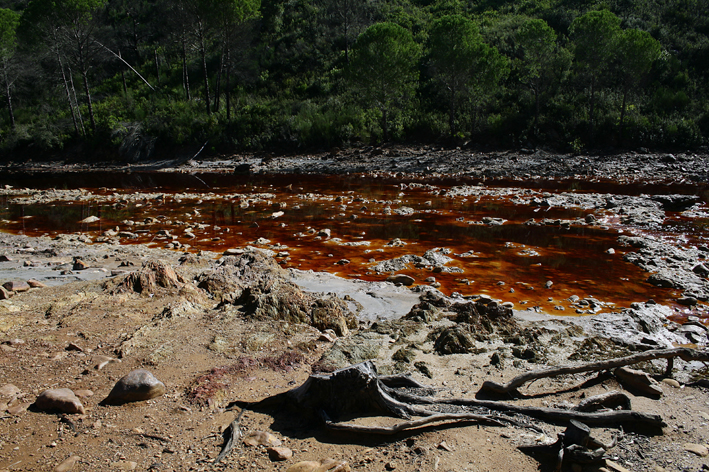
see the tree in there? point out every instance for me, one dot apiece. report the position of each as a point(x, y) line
point(384, 68)
point(595, 36)
point(67, 27)
point(540, 60)
point(9, 20)
point(637, 51)
point(462, 63)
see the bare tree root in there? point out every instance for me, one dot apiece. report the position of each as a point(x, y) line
point(232, 434)
point(512, 386)
point(443, 418)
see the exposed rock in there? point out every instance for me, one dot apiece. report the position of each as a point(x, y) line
point(326, 465)
point(9, 391)
point(35, 284)
point(698, 449)
point(90, 219)
point(59, 399)
point(79, 264)
point(5, 294)
point(352, 350)
point(152, 275)
point(138, 385)
point(453, 340)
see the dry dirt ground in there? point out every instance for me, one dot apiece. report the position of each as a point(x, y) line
point(85, 336)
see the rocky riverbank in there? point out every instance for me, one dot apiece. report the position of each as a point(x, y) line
point(216, 328)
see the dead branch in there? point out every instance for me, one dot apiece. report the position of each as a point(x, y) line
point(444, 418)
point(512, 386)
point(630, 419)
point(232, 434)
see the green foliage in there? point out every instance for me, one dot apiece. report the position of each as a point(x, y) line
point(259, 74)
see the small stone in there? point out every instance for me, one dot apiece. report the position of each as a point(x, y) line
point(59, 399)
point(138, 385)
point(401, 279)
point(261, 438)
point(67, 464)
point(79, 265)
point(16, 286)
point(638, 380)
point(697, 449)
point(103, 361)
point(671, 383)
point(687, 301)
point(390, 466)
point(5, 294)
point(74, 347)
point(18, 408)
point(124, 465)
point(610, 251)
point(90, 219)
point(5, 258)
point(35, 284)
point(304, 466)
point(83, 393)
point(9, 391)
point(548, 284)
point(443, 445)
point(277, 454)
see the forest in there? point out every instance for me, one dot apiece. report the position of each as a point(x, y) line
point(134, 79)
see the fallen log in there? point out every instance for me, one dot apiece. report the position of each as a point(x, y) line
point(511, 387)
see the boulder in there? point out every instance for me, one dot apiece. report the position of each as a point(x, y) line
point(59, 399)
point(137, 386)
point(16, 286)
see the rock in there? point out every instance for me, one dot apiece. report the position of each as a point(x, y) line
point(324, 233)
point(59, 399)
point(4, 258)
point(610, 251)
point(124, 465)
point(90, 219)
point(401, 279)
point(671, 383)
point(697, 449)
point(548, 284)
point(352, 350)
point(152, 274)
point(638, 380)
point(9, 391)
point(326, 465)
point(5, 294)
point(138, 385)
point(18, 408)
point(67, 464)
point(16, 286)
point(614, 466)
point(277, 454)
point(79, 264)
point(35, 284)
point(701, 270)
point(453, 340)
point(83, 393)
point(687, 301)
point(261, 438)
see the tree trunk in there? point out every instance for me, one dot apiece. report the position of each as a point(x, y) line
point(88, 100)
point(218, 85)
point(68, 94)
point(592, 108)
point(622, 115)
point(203, 51)
point(228, 84)
point(76, 102)
point(451, 113)
point(185, 74)
point(157, 65)
point(123, 77)
point(385, 125)
point(8, 96)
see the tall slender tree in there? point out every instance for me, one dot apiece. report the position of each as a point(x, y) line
point(9, 20)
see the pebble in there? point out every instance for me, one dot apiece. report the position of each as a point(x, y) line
point(67, 464)
point(79, 265)
point(279, 453)
point(59, 399)
point(671, 382)
point(697, 449)
point(90, 219)
point(262, 438)
point(35, 284)
point(138, 385)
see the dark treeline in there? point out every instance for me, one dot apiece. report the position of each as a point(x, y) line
point(129, 77)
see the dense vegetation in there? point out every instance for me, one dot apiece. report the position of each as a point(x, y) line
point(128, 77)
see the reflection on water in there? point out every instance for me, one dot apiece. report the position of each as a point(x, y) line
point(494, 251)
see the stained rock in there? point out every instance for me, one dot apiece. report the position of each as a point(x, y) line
point(59, 399)
point(261, 438)
point(35, 284)
point(79, 264)
point(138, 385)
